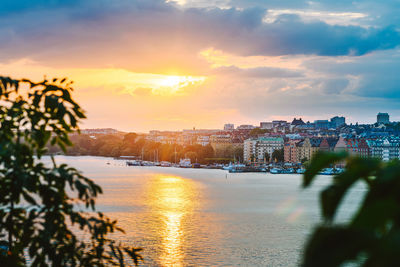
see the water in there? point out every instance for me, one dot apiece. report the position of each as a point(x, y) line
point(192, 217)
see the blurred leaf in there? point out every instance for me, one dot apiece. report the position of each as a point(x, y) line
point(319, 161)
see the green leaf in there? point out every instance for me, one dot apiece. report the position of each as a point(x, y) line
point(320, 161)
point(333, 246)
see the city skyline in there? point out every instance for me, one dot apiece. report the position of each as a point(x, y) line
point(140, 65)
point(233, 126)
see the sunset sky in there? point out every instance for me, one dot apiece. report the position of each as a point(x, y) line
point(150, 64)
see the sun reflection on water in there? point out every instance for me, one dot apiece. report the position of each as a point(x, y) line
point(172, 199)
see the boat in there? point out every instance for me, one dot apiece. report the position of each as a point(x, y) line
point(301, 171)
point(275, 171)
point(133, 163)
point(237, 169)
point(287, 171)
point(147, 163)
point(231, 166)
point(227, 168)
point(327, 171)
point(196, 165)
point(165, 164)
point(185, 163)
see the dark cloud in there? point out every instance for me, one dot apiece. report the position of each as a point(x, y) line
point(96, 33)
point(374, 76)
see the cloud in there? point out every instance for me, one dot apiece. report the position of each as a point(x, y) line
point(293, 65)
point(156, 36)
point(373, 76)
point(260, 72)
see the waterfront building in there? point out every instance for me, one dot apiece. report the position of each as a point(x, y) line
point(267, 145)
point(290, 151)
point(307, 148)
point(220, 141)
point(382, 118)
point(249, 149)
point(256, 148)
point(223, 142)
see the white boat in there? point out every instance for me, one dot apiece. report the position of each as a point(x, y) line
point(233, 166)
point(185, 163)
point(165, 164)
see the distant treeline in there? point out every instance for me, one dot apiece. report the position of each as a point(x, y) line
point(133, 145)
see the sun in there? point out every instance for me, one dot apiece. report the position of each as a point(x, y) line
point(174, 83)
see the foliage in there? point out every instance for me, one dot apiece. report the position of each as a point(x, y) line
point(43, 207)
point(278, 155)
point(132, 144)
point(257, 131)
point(372, 236)
point(267, 156)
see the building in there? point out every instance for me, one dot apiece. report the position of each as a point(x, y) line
point(307, 148)
point(324, 145)
point(280, 123)
point(290, 151)
point(321, 124)
point(223, 142)
point(267, 145)
point(297, 122)
point(341, 145)
point(357, 147)
point(256, 149)
point(385, 149)
point(382, 118)
point(99, 131)
point(245, 127)
point(337, 122)
point(249, 149)
point(203, 140)
point(229, 127)
point(266, 125)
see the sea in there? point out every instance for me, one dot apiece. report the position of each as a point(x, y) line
point(208, 217)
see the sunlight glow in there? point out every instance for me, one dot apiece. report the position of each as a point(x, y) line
point(174, 84)
point(172, 199)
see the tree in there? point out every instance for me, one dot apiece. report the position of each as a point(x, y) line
point(371, 237)
point(266, 156)
point(130, 138)
point(191, 155)
point(257, 131)
point(39, 205)
point(278, 155)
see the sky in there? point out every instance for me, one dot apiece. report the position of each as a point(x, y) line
point(140, 65)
